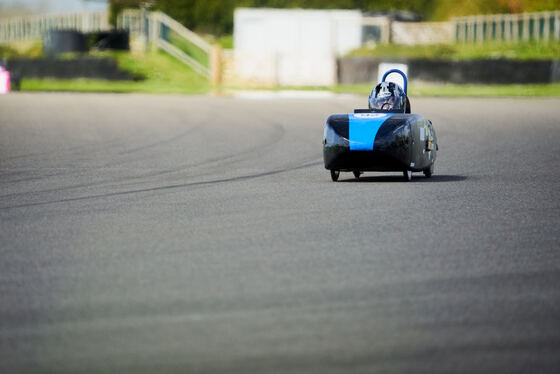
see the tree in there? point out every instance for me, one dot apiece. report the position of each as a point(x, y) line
point(216, 16)
point(117, 6)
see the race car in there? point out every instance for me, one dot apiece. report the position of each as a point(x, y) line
point(385, 137)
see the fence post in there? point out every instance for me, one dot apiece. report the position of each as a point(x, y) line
point(155, 31)
point(216, 65)
point(546, 27)
point(514, 28)
point(480, 30)
point(508, 24)
point(501, 36)
point(144, 30)
point(536, 27)
point(525, 27)
point(557, 27)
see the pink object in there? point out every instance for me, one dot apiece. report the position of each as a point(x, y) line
point(4, 81)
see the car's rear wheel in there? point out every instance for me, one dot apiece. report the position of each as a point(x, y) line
point(407, 174)
point(334, 175)
point(357, 174)
point(428, 172)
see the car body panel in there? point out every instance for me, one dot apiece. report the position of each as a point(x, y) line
point(370, 140)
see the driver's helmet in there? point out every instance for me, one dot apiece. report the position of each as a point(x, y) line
point(387, 96)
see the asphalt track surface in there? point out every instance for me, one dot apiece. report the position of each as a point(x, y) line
point(199, 234)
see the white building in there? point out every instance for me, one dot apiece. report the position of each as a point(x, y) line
point(293, 47)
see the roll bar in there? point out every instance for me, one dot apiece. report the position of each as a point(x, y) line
point(398, 72)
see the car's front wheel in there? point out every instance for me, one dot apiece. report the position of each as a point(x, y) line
point(334, 175)
point(407, 174)
point(428, 172)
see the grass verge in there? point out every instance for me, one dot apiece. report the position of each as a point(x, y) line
point(162, 73)
point(470, 51)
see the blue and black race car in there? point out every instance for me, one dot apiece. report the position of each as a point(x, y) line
point(385, 137)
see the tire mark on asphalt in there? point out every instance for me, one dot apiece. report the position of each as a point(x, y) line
point(161, 142)
point(73, 150)
point(170, 187)
point(233, 157)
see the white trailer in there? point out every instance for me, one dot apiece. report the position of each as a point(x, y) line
point(293, 47)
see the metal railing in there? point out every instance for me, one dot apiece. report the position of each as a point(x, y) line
point(508, 27)
point(164, 33)
point(381, 29)
point(413, 33)
point(24, 28)
point(157, 28)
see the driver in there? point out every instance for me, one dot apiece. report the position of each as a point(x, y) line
point(388, 96)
